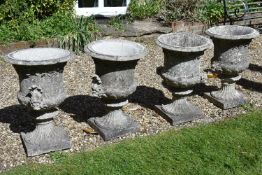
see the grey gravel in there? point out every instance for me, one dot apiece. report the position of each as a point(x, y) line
point(80, 105)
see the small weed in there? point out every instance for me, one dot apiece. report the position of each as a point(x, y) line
point(116, 23)
point(2, 61)
point(248, 107)
point(58, 156)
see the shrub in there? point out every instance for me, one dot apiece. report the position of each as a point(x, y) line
point(36, 19)
point(72, 33)
point(207, 11)
point(180, 10)
point(30, 10)
point(58, 24)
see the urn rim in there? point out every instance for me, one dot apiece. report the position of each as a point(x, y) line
point(130, 50)
point(38, 56)
point(232, 32)
point(174, 44)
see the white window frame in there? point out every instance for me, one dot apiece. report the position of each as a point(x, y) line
point(101, 10)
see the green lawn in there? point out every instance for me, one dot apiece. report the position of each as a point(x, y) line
point(233, 146)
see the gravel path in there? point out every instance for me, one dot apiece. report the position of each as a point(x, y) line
point(80, 104)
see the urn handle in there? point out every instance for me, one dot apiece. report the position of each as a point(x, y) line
point(35, 97)
point(97, 89)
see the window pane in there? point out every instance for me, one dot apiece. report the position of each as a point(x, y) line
point(115, 3)
point(87, 3)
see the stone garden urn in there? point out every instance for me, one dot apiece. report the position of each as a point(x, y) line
point(181, 72)
point(40, 73)
point(231, 57)
point(115, 62)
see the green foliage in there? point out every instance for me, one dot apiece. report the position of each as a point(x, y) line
point(84, 30)
point(229, 147)
point(145, 9)
point(71, 33)
point(58, 156)
point(211, 12)
point(24, 31)
point(36, 19)
point(248, 107)
point(12, 10)
point(16, 11)
point(180, 10)
point(58, 24)
point(116, 22)
point(207, 11)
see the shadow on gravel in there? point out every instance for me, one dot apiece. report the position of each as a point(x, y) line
point(200, 89)
point(254, 67)
point(148, 97)
point(83, 107)
point(18, 118)
point(251, 85)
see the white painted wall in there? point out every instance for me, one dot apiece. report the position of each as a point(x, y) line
point(101, 10)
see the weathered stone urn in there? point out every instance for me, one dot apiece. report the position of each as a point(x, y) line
point(231, 57)
point(40, 73)
point(181, 72)
point(115, 62)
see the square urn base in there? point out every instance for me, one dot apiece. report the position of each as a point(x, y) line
point(180, 117)
point(44, 139)
point(226, 103)
point(109, 133)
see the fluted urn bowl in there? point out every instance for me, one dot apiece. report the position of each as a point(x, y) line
point(40, 76)
point(231, 47)
point(115, 62)
point(42, 89)
point(182, 51)
point(231, 57)
point(181, 71)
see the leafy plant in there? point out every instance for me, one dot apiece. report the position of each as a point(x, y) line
point(144, 9)
point(72, 33)
point(30, 10)
point(84, 31)
point(210, 11)
point(58, 24)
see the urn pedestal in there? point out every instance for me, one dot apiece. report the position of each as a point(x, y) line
point(115, 62)
point(40, 73)
point(231, 57)
point(181, 71)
